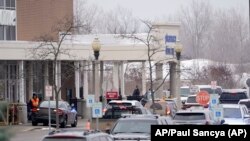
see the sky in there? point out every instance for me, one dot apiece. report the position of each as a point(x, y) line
point(156, 9)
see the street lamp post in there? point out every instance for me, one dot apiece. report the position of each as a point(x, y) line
point(178, 49)
point(96, 46)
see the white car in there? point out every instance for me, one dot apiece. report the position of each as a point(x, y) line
point(235, 114)
point(245, 102)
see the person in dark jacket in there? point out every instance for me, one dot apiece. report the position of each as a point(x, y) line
point(136, 91)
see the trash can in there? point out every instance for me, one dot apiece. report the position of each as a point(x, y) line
point(22, 113)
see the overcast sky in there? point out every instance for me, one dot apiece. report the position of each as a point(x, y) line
point(156, 9)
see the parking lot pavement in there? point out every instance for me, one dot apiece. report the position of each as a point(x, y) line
point(28, 126)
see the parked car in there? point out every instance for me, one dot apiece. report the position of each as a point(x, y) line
point(197, 88)
point(245, 102)
point(235, 114)
point(136, 127)
point(197, 116)
point(232, 96)
point(116, 108)
point(78, 135)
point(67, 115)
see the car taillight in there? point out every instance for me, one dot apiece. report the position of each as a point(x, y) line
point(59, 111)
point(104, 110)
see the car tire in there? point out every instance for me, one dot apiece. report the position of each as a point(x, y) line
point(45, 123)
point(34, 123)
point(64, 123)
point(75, 123)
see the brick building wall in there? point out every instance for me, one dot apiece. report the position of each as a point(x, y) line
point(37, 17)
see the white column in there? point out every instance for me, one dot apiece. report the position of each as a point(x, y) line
point(21, 82)
point(144, 82)
point(115, 76)
point(77, 78)
point(85, 80)
point(159, 80)
point(46, 75)
point(58, 78)
point(122, 79)
point(30, 79)
point(97, 81)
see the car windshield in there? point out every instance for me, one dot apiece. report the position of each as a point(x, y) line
point(133, 126)
point(190, 116)
point(191, 99)
point(209, 90)
point(117, 113)
point(232, 97)
point(185, 92)
point(45, 104)
point(232, 112)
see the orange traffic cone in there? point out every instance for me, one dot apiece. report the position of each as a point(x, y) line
point(88, 125)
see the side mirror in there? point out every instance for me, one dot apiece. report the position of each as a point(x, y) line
point(222, 121)
point(107, 131)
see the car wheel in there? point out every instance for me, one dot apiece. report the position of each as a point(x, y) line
point(45, 124)
point(75, 123)
point(34, 123)
point(64, 123)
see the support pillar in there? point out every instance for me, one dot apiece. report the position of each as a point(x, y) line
point(144, 82)
point(21, 82)
point(30, 92)
point(46, 76)
point(159, 81)
point(77, 79)
point(115, 76)
point(97, 81)
point(122, 80)
point(172, 85)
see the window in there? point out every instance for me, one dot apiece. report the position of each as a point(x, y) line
point(10, 4)
point(190, 116)
point(1, 32)
point(1, 4)
point(10, 32)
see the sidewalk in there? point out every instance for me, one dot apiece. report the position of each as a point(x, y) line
point(28, 126)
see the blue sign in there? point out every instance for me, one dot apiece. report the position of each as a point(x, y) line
point(169, 51)
point(218, 114)
point(170, 39)
point(214, 101)
point(90, 100)
point(97, 110)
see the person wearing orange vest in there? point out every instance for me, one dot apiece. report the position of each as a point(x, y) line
point(34, 102)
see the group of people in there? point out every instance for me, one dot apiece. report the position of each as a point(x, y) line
point(136, 92)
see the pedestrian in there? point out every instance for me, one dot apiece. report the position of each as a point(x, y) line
point(33, 103)
point(136, 91)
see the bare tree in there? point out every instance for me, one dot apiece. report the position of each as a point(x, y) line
point(116, 21)
point(195, 27)
point(152, 43)
point(51, 49)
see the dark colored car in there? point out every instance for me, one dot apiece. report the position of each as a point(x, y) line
point(67, 114)
point(136, 127)
point(78, 136)
point(232, 96)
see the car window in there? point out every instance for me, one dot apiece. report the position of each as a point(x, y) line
point(64, 139)
point(189, 116)
point(128, 126)
point(209, 90)
point(185, 92)
point(45, 104)
point(191, 99)
point(232, 113)
point(117, 113)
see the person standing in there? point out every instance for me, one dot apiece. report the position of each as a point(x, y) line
point(34, 102)
point(136, 91)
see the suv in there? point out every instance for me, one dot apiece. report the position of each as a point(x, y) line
point(232, 96)
point(116, 108)
point(77, 136)
point(136, 127)
point(194, 117)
